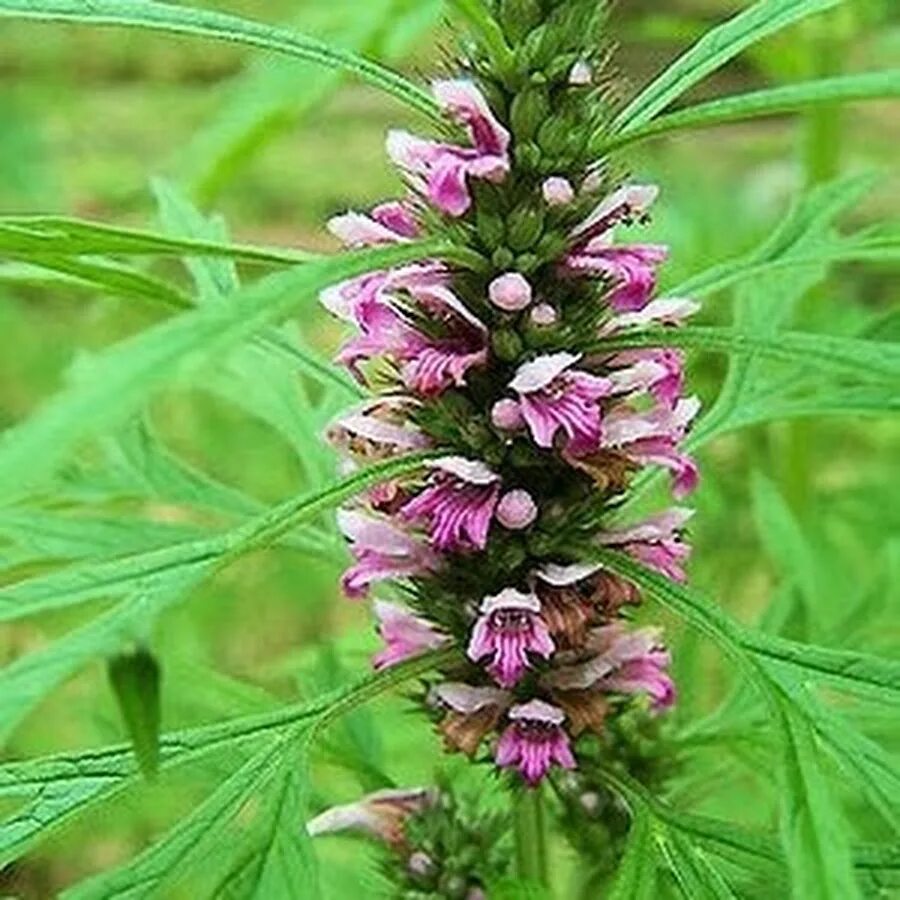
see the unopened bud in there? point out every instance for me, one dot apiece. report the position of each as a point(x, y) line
point(507, 416)
point(510, 292)
point(420, 864)
point(581, 74)
point(558, 191)
point(544, 315)
point(516, 510)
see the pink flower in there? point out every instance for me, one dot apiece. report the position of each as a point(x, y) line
point(662, 311)
point(656, 542)
point(405, 635)
point(442, 171)
point(630, 269)
point(389, 223)
point(383, 814)
point(377, 429)
point(624, 662)
point(534, 741)
point(458, 504)
point(554, 397)
point(506, 415)
point(382, 305)
point(509, 628)
point(382, 551)
point(625, 205)
point(660, 372)
point(652, 438)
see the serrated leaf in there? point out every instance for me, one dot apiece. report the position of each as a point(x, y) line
point(122, 378)
point(812, 826)
point(146, 14)
point(712, 51)
point(636, 875)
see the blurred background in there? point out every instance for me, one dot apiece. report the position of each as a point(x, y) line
point(89, 117)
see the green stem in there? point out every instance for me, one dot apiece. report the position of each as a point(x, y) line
point(531, 840)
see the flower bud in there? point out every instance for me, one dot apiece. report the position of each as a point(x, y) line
point(525, 227)
point(510, 292)
point(581, 74)
point(558, 191)
point(544, 315)
point(516, 510)
point(506, 344)
point(420, 864)
point(507, 416)
point(529, 111)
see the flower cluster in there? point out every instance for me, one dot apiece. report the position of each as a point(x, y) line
point(511, 374)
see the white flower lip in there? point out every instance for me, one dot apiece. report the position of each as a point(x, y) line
point(467, 699)
point(470, 470)
point(562, 576)
point(373, 532)
point(510, 598)
point(537, 711)
point(537, 374)
point(656, 528)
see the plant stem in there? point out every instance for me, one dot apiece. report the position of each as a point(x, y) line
point(531, 842)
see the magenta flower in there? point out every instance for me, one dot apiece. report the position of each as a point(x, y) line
point(389, 223)
point(509, 628)
point(661, 311)
point(405, 635)
point(383, 814)
point(534, 741)
point(554, 397)
point(630, 269)
point(458, 504)
point(380, 306)
point(656, 542)
point(441, 171)
point(624, 662)
point(377, 429)
point(382, 551)
point(653, 437)
point(659, 372)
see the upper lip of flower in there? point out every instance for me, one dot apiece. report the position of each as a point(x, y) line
point(537, 374)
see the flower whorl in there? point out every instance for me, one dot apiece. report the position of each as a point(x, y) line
point(504, 370)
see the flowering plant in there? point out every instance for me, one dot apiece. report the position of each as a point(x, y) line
point(519, 384)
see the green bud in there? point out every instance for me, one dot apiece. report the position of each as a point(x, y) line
point(540, 544)
point(530, 108)
point(526, 263)
point(518, 17)
point(525, 227)
point(503, 259)
point(554, 136)
point(491, 229)
point(542, 46)
point(528, 156)
point(507, 344)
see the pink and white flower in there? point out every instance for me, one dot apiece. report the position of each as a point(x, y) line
point(554, 397)
point(534, 741)
point(377, 429)
point(509, 628)
point(382, 551)
point(653, 438)
point(658, 372)
point(405, 635)
point(458, 504)
point(661, 311)
point(388, 223)
point(656, 542)
point(382, 815)
point(441, 171)
point(623, 662)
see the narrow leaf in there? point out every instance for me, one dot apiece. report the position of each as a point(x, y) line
point(135, 680)
point(219, 26)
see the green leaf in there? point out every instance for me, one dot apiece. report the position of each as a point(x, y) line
point(813, 830)
point(866, 360)
point(147, 14)
point(37, 236)
point(478, 16)
point(712, 51)
point(122, 378)
point(135, 679)
point(636, 875)
point(58, 787)
point(769, 102)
